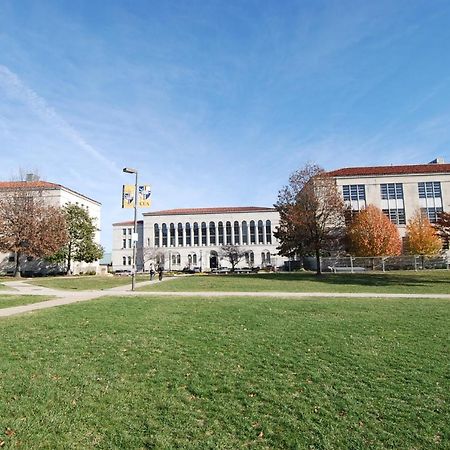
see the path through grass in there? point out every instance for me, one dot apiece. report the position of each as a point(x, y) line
point(228, 373)
point(436, 282)
point(8, 301)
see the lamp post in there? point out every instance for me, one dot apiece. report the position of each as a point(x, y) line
point(133, 271)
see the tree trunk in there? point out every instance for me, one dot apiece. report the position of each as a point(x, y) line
point(69, 258)
point(319, 269)
point(17, 265)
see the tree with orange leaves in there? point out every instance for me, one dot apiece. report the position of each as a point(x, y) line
point(422, 237)
point(371, 233)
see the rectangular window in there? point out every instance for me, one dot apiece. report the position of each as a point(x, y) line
point(430, 189)
point(354, 192)
point(391, 191)
point(124, 243)
point(124, 231)
point(432, 213)
point(396, 216)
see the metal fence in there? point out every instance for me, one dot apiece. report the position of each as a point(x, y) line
point(354, 264)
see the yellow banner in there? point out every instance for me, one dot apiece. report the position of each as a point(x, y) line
point(144, 196)
point(128, 196)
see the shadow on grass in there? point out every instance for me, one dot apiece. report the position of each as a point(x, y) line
point(362, 279)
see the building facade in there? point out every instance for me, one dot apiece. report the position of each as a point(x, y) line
point(399, 191)
point(54, 195)
point(192, 238)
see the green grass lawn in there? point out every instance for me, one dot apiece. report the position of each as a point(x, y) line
point(233, 373)
point(437, 281)
point(7, 301)
point(85, 282)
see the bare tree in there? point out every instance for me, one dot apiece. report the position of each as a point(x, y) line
point(156, 256)
point(28, 226)
point(232, 253)
point(311, 214)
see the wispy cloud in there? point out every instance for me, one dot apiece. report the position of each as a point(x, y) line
point(16, 87)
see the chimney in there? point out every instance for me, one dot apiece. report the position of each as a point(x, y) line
point(438, 160)
point(31, 177)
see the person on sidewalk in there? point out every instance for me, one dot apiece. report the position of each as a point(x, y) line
point(160, 273)
point(152, 273)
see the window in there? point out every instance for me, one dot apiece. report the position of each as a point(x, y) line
point(129, 260)
point(430, 189)
point(354, 192)
point(195, 233)
point(432, 213)
point(172, 234)
point(124, 243)
point(203, 233)
point(156, 237)
point(249, 258)
point(212, 233)
point(130, 230)
point(124, 260)
point(188, 234)
point(130, 244)
point(220, 230)
point(11, 258)
point(268, 232)
point(244, 232)
point(391, 191)
point(164, 235)
point(396, 216)
point(236, 233)
point(430, 199)
point(194, 258)
point(228, 230)
point(252, 232)
point(260, 232)
point(124, 231)
point(180, 234)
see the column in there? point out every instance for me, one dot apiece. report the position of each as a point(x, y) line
point(208, 243)
point(160, 235)
point(184, 235)
point(232, 233)
point(176, 235)
point(264, 233)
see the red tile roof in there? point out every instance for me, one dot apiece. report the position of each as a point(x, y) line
point(391, 170)
point(219, 210)
point(11, 185)
point(127, 222)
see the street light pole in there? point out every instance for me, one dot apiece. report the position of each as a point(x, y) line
point(135, 237)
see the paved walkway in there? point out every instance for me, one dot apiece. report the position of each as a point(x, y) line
point(61, 297)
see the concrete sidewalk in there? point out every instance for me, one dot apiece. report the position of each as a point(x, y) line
point(68, 297)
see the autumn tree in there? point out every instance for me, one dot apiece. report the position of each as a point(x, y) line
point(371, 233)
point(421, 237)
point(81, 246)
point(443, 228)
point(311, 214)
point(232, 253)
point(29, 227)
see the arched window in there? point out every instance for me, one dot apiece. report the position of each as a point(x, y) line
point(212, 233)
point(156, 236)
point(172, 235)
point(236, 233)
point(203, 233)
point(260, 232)
point(180, 234)
point(267, 257)
point(188, 234)
point(228, 229)
point(252, 232)
point(129, 260)
point(195, 233)
point(249, 258)
point(244, 233)
point(268, 232)
point(124, 260)
point(263, 258)
point(194, 259)
point(176, 259)
point(164, 235)
point(220, 230)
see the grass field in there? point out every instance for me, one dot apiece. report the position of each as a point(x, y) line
point(7, 301)
point(433, 281)
point(131, 373)
point(84, 282)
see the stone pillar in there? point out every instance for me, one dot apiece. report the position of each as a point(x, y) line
point(184, 235)
point(176, 235)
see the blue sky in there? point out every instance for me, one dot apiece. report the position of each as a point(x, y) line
point(217, 102)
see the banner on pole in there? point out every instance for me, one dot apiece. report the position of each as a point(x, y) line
point(144, 196)
point(128, 196)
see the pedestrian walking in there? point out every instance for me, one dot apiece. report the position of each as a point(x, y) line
point(160, 273)
point(152, 273)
